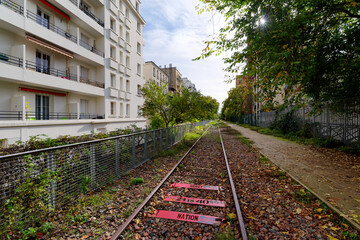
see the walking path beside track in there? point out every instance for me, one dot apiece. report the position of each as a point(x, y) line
point(331, 174)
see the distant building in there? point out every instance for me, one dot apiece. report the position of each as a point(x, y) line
point(174, 75)
point(153, 72)
point(187, 84)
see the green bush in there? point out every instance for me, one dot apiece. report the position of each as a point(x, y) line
point(136, 181)
point(287, 123)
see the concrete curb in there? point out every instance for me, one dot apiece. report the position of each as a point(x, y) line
point(333, 208)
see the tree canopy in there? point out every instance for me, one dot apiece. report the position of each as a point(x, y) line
point(165, 108)
point(236, 103)
point(310, 48)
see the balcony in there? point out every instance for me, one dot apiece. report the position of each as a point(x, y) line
point(90, 14)
point(113, 35)
point(50, 71)
point(61, 74)
point(13, 6)
point(127, 47)
point(91, 48)
point(121, 16)
point(127, 23)
point(113, 7)
point(121, 94)
point(92, 82)
point(121, 68)
point(121, 42)
point(128, 71)
point(28, 115)
point(11, 60)
point(114, 92)
point(128, 96)
point(46, 24)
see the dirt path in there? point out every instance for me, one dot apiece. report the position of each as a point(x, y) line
point(333, 175)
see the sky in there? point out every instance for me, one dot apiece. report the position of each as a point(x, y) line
point(175, 33)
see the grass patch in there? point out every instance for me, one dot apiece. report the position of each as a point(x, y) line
point(227, 235)
point(136, 181)
point(304, 196)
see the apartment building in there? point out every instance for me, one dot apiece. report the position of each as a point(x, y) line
point(187, 84)
point(174, 75)
point(69, 67)
point(153, 72)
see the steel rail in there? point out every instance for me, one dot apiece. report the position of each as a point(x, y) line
point(237, 206)
point(140, 207)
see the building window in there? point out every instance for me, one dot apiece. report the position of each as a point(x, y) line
point(84, 107)
point(138, 27)
point(139, 69)
point(127, 85)
point(127, 13)
point(139, 90)
point(137, 6)
point(43, 18)
point(112, 24)
point(84, 72)
point(113, 52)
point(121, 109)
point(127, 37)
point(139, 48)
point(154, 72)
point(127, 110)
point(139, 111)
point(127, 61)
point(157, 74)
point(113, 80)
point(121, 57)
point(121, 83)
point(42, 62)
point(42, 107)
point(112, 108)
point(121, 31)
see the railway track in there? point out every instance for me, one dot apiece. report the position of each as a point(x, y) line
point(197, 198)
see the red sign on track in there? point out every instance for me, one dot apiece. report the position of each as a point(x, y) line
point(187, 217)
point(197, 201)
point(193, 186)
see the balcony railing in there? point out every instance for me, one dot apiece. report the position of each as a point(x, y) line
point(51, 71)
point(13, 6)
point(45, 23)
point(90, 14)
point(18, 115)
point(92, 82)
point(5, 58)
point(91, 48)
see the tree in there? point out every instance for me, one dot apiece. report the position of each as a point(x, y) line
point(235, 104)
point(310, 47)
point(165, 108)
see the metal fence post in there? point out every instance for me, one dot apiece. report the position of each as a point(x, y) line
point(161, 140)
point(117, 158)
point(344, 129)
point(154, 142)
point(145, 145)
point(133, 158)
point(92, 165)
point(52, 185)
point(167, 137)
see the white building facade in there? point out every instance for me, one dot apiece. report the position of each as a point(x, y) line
point(69, 67)
point(187, 84)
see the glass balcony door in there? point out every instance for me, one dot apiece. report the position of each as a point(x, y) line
point(43, 19)
point(42, 62)
point(42, 107)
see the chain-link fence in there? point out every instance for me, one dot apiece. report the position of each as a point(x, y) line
point(344, 127)
point(57, 175)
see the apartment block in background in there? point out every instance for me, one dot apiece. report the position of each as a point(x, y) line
point(187, 84)
point(153, 72)
point(174, 75)
point(69, 67)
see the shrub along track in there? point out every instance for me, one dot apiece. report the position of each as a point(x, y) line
point(204, 165)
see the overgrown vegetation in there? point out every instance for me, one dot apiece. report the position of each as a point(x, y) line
point(166, 108)
point(41, 141)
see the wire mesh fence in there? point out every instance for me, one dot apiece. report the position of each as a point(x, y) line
point(58, 175)
point(344, 127)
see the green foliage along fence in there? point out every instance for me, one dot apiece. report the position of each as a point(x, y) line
point(344, 127)
point(33, 183)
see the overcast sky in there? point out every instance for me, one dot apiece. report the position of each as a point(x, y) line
point(174, 33)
